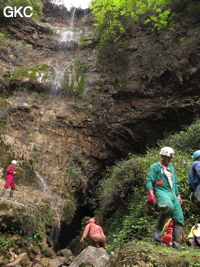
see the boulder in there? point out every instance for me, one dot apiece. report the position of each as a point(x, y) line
point(91, 257)
point(22, 260)
point(65, 253)
point(56, 262)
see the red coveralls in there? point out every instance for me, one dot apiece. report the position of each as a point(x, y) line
point(167, 238)
point(10, 177)
point(96, 234)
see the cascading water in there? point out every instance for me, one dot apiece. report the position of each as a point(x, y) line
point(58, 79)
point(72, 17)
point(56, 205)
point(45, 187)
point(69, 38)
point(68, 42)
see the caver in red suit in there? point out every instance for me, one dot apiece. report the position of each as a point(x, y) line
point(10, 179)
point(96, 234)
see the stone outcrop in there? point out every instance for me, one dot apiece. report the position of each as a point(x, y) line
point(91, 257)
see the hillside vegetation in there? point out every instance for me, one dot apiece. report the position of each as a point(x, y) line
point(122, 198)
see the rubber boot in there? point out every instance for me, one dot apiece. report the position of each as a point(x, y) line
point(3, 192)
point(11, 192)
point(177, 235)
point(162, 220)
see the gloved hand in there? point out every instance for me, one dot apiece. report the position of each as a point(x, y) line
point(151, 199)
point(82, 240)
point(180, 199)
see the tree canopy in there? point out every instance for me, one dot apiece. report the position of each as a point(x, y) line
point(112, 16)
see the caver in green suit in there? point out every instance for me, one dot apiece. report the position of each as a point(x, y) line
point(165, 195)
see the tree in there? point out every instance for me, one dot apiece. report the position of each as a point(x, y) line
point(111, 15)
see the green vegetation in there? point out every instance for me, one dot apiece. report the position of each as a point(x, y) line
point(35, 4)
point(141, 253)
point(30, 222)
point(4, 107)
point(76, 178)
point(6, 242)
point(114, 18)
point(44, 74)
point(74, 77)
point(3, 39)
point(122, 193)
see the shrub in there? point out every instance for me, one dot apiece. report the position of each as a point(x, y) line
point(6, 242)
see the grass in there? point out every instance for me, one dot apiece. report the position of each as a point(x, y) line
point(142, 253)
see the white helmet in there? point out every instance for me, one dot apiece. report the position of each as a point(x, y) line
point(167, 151)
point(14, 161)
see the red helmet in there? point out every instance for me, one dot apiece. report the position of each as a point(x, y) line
point(91, 220)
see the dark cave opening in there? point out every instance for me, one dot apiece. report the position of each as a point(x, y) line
point(63, 234)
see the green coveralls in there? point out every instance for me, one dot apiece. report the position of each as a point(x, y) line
point(166, 197)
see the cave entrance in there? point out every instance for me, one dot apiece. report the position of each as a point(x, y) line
point(68, 232)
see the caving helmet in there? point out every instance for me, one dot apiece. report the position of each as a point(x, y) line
point(196, 154)
point(14, 161)
point(91, 220)
point(167, 151)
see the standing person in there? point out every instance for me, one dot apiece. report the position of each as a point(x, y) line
point(163, 190)
point(96, 234)
point(10, 179)
point(194, 177)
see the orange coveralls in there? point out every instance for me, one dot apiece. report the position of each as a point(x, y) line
point(96, 234)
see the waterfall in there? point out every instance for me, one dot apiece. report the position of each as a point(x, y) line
point(45, 187)
point(57, 206)
point(54, 234)
point(69, 40)
point(58, 79)
point(72, 17)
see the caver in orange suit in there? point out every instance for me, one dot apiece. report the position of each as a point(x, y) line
point(96, 234)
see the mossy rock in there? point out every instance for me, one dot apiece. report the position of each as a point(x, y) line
point(44, 74)
point(74, 77)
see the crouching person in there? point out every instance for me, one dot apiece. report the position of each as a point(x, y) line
point(193, 238)
point(95, 233)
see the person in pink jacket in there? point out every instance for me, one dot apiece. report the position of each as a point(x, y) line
point(95, 233)
point(10, 179)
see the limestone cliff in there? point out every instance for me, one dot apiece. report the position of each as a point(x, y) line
point(68, 130)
